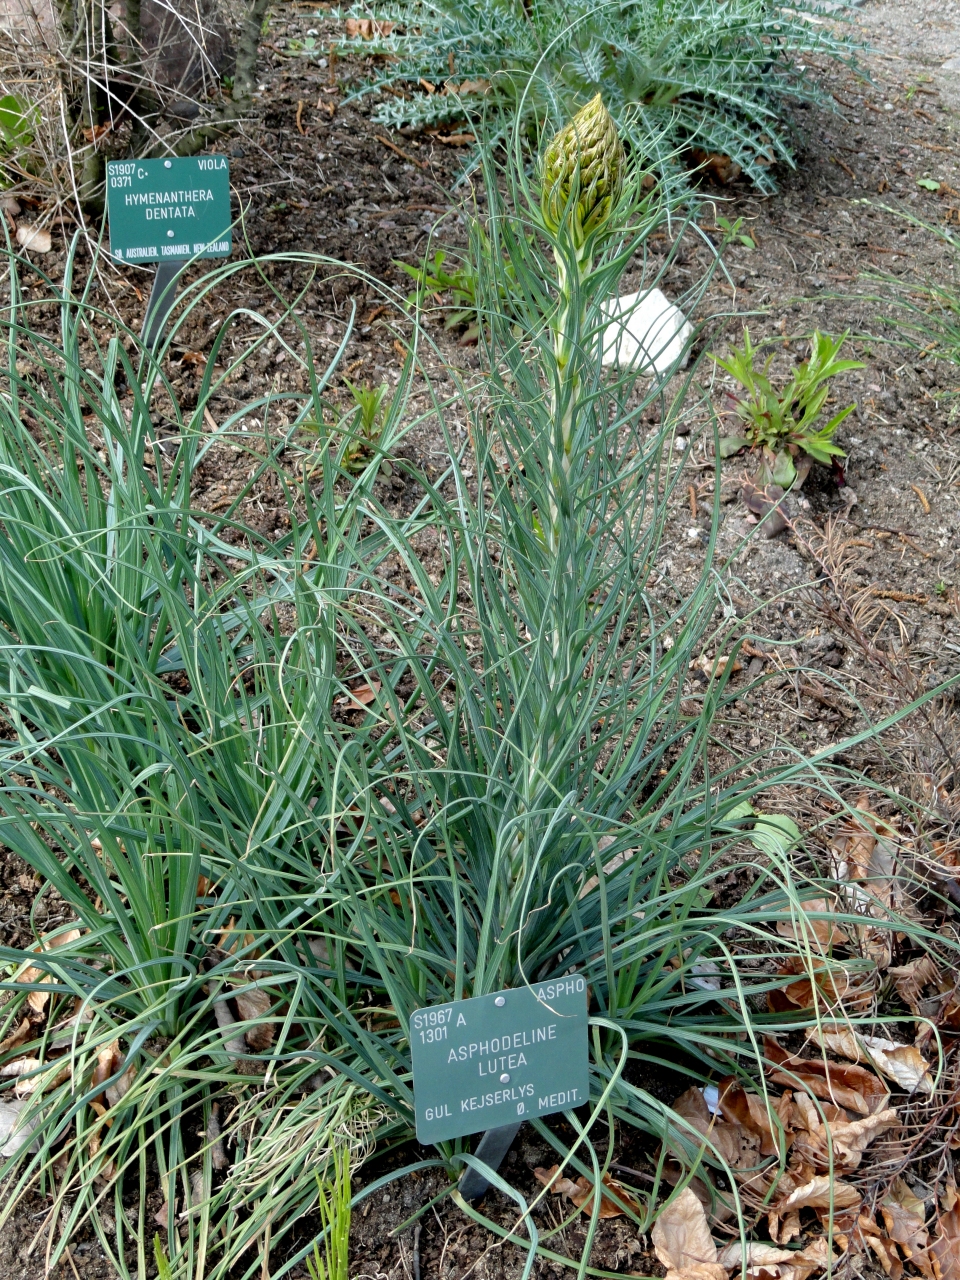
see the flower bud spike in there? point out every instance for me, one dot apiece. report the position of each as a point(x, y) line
point(582, 171)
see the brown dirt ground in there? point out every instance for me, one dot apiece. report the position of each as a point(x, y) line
point(890, 537)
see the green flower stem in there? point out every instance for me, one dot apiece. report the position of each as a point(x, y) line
point(581, 181)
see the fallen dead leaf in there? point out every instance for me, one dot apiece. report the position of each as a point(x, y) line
point(682, 1241)
point(845, 1085)
point(716, 667)
point(901, 1063)
point(767, 1262)
point(946, 1245)
point(37, 1000)
point(251, 1005)
point(368, 28)
point(736, 1145)
point(825, 932)
point(910, 980)
point(18, 1036)
point(830, 1141)
point(825, 982)
point(722, 167)
point(820, 1193)
point(751, 1113)
point(765, 504)
point(34, 239)
point(580, 1193)
point(360, 697)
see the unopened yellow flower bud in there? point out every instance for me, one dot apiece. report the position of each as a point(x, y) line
point(583, 166)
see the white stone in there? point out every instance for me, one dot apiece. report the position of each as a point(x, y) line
point(947, 81)
point(645, 331)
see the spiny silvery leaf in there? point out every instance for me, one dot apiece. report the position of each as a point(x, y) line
point(583, 166)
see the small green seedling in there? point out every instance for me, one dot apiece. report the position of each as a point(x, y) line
point(358, 431)
point(731, 231)
point(783, 425)
point(333, 1203)
point(436, 280)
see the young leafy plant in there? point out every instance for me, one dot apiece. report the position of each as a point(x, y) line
point(435, 279)
point(355, 435)
point(784, 425)
point(18, 124)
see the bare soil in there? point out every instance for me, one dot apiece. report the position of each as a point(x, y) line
point(859, 599)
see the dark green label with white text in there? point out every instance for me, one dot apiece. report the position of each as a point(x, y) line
point(499, 1059)
point(173, 208)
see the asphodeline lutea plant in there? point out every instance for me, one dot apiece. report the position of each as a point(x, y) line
point(581, 183)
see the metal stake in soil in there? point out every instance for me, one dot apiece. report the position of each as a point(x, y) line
point(491, 1149)
point(162, 297)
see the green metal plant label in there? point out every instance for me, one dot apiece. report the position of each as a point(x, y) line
point(173, 208)
point(496, 1059)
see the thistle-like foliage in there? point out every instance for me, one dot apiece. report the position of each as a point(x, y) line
point(675, 74)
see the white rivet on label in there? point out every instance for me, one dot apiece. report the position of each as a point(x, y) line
point(170, 234)
point(499, 1002)
point(505, 1078)
point(168, 164)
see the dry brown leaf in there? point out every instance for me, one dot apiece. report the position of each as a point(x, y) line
point(910, 980)
point(34, 239)
point(716, 667)
point(682, 1241)
point(883, 1247)
point(360, 697)
point(825, 932)
point(114, 1092)
point(734, 1144)
point(827, 983)
point(722, 167)
point(749, 1111)
point(580, 1193)
point(901, 1063)
point(866, 851)
point(819, 1193)
point(19, 1066)
point(846, 1085)
point(467, 86)
point(367, 28)
point(456, 139)
point(826, 1136)
point(252, 1004)
point(37, 1000)
point(946, 1245)
point(18, 1036)
point(767, 1262)
point(218, 1154)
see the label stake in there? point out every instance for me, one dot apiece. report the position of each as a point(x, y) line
point(162, 297)
point(491, 1149)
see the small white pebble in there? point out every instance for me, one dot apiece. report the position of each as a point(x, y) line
point(888, 106)
point(679, 445)
point(693, 532)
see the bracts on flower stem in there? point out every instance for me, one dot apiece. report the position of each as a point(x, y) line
point(580, 186)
